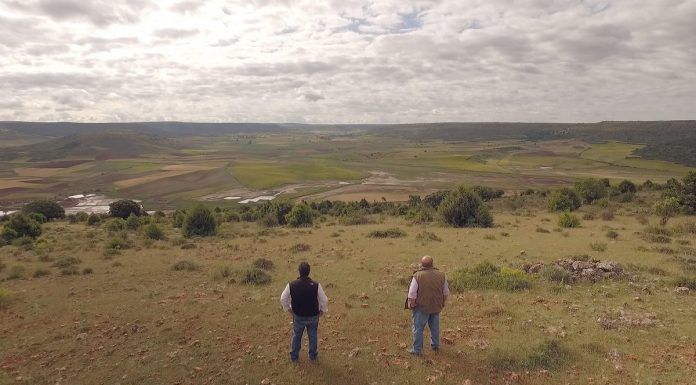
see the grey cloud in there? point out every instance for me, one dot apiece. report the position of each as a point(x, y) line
point(187, 6)
point(175, 33)
point(99, 13)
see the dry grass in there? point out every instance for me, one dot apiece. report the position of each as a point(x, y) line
point(135, 320)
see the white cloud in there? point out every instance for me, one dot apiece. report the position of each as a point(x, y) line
point(348, 61)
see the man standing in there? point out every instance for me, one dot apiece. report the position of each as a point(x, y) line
point(306, 301)
point(426, 297)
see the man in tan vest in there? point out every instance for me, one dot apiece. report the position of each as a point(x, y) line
point(426, 297)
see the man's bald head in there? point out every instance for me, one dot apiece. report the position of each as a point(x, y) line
point(427, 261)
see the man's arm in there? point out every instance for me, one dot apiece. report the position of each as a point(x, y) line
point(412, 293)
point(323, 300)
point(445, 292)
point(285, 299)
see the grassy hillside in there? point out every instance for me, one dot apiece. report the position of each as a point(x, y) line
point(76, 309)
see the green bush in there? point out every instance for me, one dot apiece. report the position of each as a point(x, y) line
point(87, 271)
point(611, 234)
point(38, 217)
point(70, 270)
point(276, 208)
point(124, 208)
point(114, 225)
point(591, 190)
point(394, 232)
point(221, 272)
point(200, 222)
point(263, 264)
point(20, 225)
point(487, 193)
point(301, 215)
point(64, 262)
point(488, 276)
point(49, 209)
point(354, 220)
point(118, 243)
point(556, 274)
point(6, 298)
point(626, 186)
point(598, 246)
point(427, 236)
point(564, 199)
point(548, 355)
point(568, 220)
point(152, 231)
point(185, 266)
point(178, 219)
point(464, 208)
point(133, 222)
point(255, 276)
point(94, 219)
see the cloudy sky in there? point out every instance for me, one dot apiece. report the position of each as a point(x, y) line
point(345, 61)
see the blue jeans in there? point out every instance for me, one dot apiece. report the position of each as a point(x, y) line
point(299, 324)
point(421, 318)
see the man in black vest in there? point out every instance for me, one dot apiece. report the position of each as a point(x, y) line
point(306, 300)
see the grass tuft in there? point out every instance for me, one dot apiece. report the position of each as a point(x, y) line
point(550, 355)
point(488, 276)
point(185, 266)
point(393, 232)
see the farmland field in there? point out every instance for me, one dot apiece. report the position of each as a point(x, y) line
point(268, 163)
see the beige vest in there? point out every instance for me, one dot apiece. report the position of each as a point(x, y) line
point(431, 281)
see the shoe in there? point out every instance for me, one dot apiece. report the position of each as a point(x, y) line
point(435, 348)
point(413, 353)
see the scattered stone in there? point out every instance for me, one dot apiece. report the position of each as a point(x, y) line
point(593, 271)
point(266, 381)
point(682, 290)
point(82, 336)
point(354, 352)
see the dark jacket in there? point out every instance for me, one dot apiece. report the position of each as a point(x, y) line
point(304, 297)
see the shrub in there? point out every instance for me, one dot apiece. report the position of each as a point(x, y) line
point(178, 218)
point(433, 200)
point(124, 208)
point(263, 264)
point(299, 247)
point(598, 246)
point(427, 236)
point(185, 265)
point(66, 261)
point(354, 219)
point(93, 219)
point(488, 276)
point(118, 243)
point(394, 232)
point(152, 231)
point(556, 274)
point(49, 209)
point(16, 272)
point(656, 238)
point(38, 217)
point(113, 225)
point(464, 208)
point(277, 208)
point(626, 186)
point(542, 230)
point(611, 234)
point(301, 215)
point(689, 282)
point(200, 222)
point(549, 355)
point(24, 242)
point(607, 215)
point(590, 190)
point(70, 270)
point(568, 220)
point(6, 298)
point(255, 276)
point(564, 199)
point(489, 237)
point(221, 272)
point(87, 271)
point(667, 208)
point(20, 225)
point(269, 220)
point(133, 222)
point(487, 193)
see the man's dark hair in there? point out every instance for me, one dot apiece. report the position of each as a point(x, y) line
point(304, 269)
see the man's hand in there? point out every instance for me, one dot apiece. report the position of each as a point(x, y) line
point(321, 313)
point(411, 303)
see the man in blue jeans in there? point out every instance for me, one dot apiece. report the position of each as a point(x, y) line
point(427, 294)
point(306, 301)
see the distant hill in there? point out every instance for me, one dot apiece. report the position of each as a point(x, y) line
point(101, 145)
point(664, 139)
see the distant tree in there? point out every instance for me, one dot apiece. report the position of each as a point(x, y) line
point(667, 208)
point(277, 209)
point(133, 222)
point(487, 193)
point(152, 231)
point(124, 208)
point(300, 215)
point(564, 199)
point(626, 186)
point(414, 200)
point(464, 208)
point(47, 208)
point(590, 190)
point(688, 195)
point(94, 219)
point(200, 222)
point(434, 199)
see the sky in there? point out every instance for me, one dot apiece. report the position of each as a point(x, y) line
point(345, 61)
